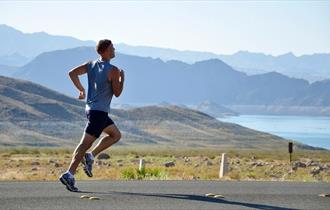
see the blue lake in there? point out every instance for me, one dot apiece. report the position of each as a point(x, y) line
point(314, 131)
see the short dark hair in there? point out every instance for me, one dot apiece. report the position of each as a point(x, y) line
point(102, 45)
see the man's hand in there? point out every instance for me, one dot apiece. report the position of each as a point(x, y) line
point(82, 94)
point(122, 76)
point(117, 78)
point(74, 76)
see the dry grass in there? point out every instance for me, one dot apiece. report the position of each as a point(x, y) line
point(190, 163)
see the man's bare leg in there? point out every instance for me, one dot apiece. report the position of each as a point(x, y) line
point(113, 136)
point(85, 143)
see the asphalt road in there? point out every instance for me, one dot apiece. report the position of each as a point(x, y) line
point(157, 195)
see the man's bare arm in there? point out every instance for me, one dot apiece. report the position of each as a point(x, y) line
point(117, 78)
point(74, 76)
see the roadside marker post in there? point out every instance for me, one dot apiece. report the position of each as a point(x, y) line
point(223, 165)
point(141, 165)
point(290, 150)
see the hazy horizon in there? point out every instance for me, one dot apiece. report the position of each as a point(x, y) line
point(220, 27)
point(134, 45)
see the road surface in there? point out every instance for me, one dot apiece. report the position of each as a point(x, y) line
point(155, 195)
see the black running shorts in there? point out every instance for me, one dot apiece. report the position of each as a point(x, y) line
point(97, 121)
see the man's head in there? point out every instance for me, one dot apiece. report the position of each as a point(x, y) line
point(105, 49)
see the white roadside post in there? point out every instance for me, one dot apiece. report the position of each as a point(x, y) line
point(141, 165)
point(223, 165)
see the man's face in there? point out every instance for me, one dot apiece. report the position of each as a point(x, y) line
point(109, 52)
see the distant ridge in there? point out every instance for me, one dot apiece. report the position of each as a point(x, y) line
point(32, 115)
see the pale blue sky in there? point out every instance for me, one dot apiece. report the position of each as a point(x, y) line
point(272, 27)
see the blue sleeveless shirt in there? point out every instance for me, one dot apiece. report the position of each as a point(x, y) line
point(100, 90)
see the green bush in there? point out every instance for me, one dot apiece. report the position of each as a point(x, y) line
point(145, 173)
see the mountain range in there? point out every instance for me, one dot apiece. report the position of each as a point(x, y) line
point(311, 67)
point(19, 48)
point(33, 115)
point(151, 80)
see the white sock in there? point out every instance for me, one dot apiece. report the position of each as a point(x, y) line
point(70, 174)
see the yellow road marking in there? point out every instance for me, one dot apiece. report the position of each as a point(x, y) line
point(210, 195)
point(84, 196)
point(219, 196)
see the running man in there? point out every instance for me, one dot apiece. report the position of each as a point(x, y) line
point(104, 81)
